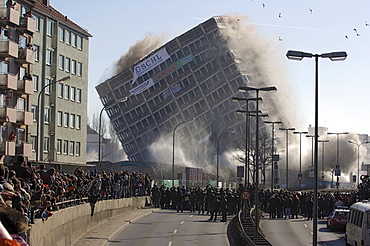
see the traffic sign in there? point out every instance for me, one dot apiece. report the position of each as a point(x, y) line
point(246, 195)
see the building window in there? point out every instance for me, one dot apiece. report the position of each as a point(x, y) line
point(46, 144)
point(66, 92)
point(73, 93)
point(78, 122)
point(34, 112)
point(66, 119)
point(65, 147)
point(36, 52)
point(72, 121)
point(67, 37)
point(61, 34)
point(48, 57)
point(61, 62)
point(71, 147)
point(33, 140)
point(68, 64)
point(78, 148)
point(59, 146)
point(47, 84)
point(60, 90)
point(21, 104)
point(79, 42)
point(46, 115)
point(73, 67)
point(78, 95)
point(73, 39)
point(35, 80)
point(60, 118)
point(49, 28)
point(79, 69)
point(37, 19)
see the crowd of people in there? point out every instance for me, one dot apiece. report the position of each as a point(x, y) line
point(29, 192)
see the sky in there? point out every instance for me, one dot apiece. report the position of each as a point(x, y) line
point(312, 26)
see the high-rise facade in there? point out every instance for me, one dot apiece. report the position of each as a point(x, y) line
point(191, 78)
point(50, 67)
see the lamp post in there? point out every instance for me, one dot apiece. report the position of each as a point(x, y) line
point(38, 114)
point(173, 149)
point(246, 168)
point(300, 176)
point(313, 155)
point(323, 158)
point(337, 166)
point(287, 155)
point(272, 149)
point(358, 158)
point(100, 133)
point(257, 90)
point(218, 154)
point(333, 56)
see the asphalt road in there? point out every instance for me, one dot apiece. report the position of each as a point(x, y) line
point(167, 227)
point(281, 232)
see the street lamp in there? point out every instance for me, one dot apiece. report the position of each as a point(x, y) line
point(246, 168)
point(358, 158)
point(323, 158)
point(38, 114)
point(300, 176)
point(218, 154)
point(100, 134)
point(333, 56)
point(337, 166)
point(287, 154)
point(173, 149)
point(257, 90)
point(272, 149)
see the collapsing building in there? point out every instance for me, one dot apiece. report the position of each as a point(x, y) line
point(182, 92)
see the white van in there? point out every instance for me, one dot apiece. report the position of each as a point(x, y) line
point(358, 225)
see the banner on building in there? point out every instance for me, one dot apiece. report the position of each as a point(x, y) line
point(150, 63)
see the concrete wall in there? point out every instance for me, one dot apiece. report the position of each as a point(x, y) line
point(68, 225)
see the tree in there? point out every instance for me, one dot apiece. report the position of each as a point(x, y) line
point(264, 155)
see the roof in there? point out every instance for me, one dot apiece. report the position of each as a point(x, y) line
point(50, 11)
point(362, 206)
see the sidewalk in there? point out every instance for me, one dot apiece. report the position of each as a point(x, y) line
point(102, 233)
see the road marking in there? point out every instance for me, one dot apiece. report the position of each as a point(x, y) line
point(191, 216)
point(169, 243)
point(182, 222)
point(311, 233)
point(305, 225)
point(174, 232)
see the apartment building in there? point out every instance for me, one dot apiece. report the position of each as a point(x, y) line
point(193, 76)
point(50, 70)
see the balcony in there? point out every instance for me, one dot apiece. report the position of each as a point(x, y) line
point(8, 81)
point(25, 56)
point(27, 25)
point(8, 114)
point(25, 86)
point(9, 16)
point(8, 48)
point(24, 118)
point(7, 148)
point(23, 148)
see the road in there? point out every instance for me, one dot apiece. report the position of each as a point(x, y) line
point(280, 232)
point(167, 227)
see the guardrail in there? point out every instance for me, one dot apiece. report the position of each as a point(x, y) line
point(247, 225)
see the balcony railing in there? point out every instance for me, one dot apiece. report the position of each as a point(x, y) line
point(7, 148)
point(8, 114)
point(21, 147)
point(9, 15)
point(8, 48)
point(25, 56)
point(27, 24)
point(24, 118)
point(25, 86)
point(8, 81)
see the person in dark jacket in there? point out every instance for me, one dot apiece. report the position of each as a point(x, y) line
point(214, 207)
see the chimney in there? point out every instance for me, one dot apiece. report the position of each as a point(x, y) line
point(46, 2)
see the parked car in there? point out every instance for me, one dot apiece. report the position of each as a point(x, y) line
point(337, 219)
